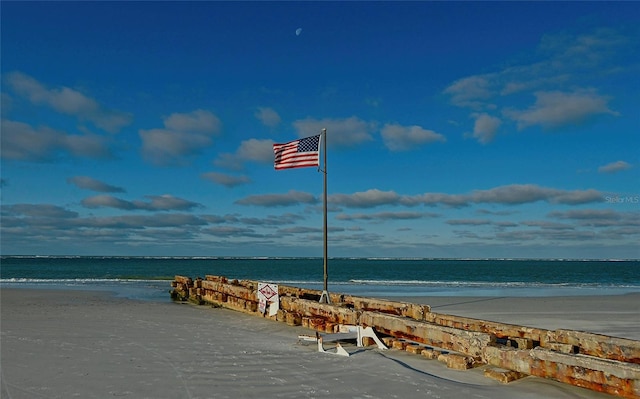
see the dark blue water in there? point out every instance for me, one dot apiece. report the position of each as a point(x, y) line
point(144, 277)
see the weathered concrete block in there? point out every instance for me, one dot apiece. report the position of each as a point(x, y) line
point(521, 343)
point(399, 344)
point(602, 375)
point(388, 341)
point(368, 341)
point(603, 346)
point(293, 319)
point(467, 342)
point(558, 347)
point(459, 362)
point(500, 330)
point(430, 353)
point(218, 279)
point(231, 290)
point(316, 323)
point(502, 375)
point(330, 328)
point(508, 358)
point(183, 280)
point(330, 313)
point(406, 309)
point(415, 349)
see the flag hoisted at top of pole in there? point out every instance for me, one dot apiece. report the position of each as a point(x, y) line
point(299, 153)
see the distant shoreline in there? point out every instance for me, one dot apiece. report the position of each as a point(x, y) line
point(214, 257)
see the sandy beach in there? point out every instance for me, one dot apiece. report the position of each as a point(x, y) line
point(65, 344)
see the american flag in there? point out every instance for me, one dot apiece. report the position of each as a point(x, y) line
point(298, 153)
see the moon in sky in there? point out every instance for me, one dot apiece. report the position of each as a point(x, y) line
point(298, 31)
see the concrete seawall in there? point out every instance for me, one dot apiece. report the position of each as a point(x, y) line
point(508, 352)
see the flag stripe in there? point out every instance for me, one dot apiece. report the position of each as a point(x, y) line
point(297, 154)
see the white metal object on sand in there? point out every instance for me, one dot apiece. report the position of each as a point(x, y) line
point(359, 331)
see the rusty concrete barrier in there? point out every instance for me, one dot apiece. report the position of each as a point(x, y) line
point(313, 309)
point(500, 330)
point(593, 361)
point(181, 286)
point(406, 309)
point(468, 342)
point(624, 350)
point(602, 375)
point(237, 291)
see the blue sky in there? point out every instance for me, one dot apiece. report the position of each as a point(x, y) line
point(455, 129)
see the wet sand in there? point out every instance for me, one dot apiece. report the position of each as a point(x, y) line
point(66, 344)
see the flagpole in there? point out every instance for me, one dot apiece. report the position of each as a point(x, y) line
point(324, 298)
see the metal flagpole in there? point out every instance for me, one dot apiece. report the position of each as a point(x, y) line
point(324, 298)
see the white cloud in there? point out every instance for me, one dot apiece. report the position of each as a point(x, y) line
point(89, 183)
point(268, 116)
point(514, 194)
point(468, 222)
point(107, 201)
point(384, 216)
point(48, 211)
point(587, 50)
point(183, 135)
point(69, 101)
point(555, 109)
point(21, 141)
point(230, 231)
point(525, 193)
point(157, 203)
point(404, 138)
point(198, 121)
point(546, 225)
point(471, 91)
point(614, 167)
point(271, 200)
point(253, 150)
point(226, 179)
point(485, 127)
point(345, 132)
point(256, 150)
point(365, 199)
point(561, 64)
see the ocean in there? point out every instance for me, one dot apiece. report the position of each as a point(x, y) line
point(148, 278)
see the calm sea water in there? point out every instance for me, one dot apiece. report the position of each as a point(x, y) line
point(149, 277)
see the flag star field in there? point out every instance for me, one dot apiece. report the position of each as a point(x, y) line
point(454, 129)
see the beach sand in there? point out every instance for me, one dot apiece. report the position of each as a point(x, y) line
point(66, 344)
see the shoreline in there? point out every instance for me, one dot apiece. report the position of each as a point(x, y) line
point(93, 344)
point(616, 315)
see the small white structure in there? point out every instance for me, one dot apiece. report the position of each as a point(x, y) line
point(346, 332)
